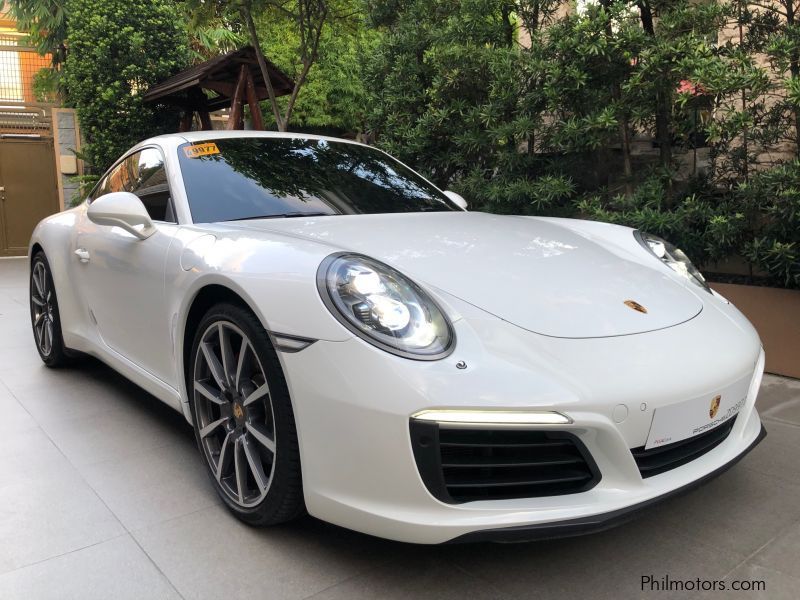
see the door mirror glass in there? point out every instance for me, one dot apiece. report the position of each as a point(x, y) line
point(458, 199)
point(122, 209)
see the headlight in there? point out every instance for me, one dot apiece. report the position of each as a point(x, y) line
point(673, 257)
point(384, 307)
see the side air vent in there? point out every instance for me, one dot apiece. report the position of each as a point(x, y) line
point(463, 465)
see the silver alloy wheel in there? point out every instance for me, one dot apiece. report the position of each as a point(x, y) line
point(233, 408)
point(42, 303)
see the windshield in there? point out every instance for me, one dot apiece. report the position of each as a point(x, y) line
point(249, 178)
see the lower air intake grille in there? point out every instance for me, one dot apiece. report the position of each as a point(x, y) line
point(463, 465)
point(663, 458)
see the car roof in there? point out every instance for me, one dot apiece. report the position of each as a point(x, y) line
point(202, 136)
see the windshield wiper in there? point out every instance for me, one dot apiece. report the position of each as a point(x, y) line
point(289, 215)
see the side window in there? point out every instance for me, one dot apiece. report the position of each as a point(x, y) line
point(99, 190)
point(147, 178)
point(143, 174)
point(115, 181)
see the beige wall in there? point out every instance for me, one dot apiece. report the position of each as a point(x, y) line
point(774, 313)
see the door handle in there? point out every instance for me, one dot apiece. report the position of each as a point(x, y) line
point(83, 255)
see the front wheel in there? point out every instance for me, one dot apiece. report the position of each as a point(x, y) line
point(243, 418)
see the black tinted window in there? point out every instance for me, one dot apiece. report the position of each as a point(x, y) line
point(143, 174)
point(113, 182)
point(149, 182)
point(240, 178)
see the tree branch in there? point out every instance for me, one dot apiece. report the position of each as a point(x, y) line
point(262, 63)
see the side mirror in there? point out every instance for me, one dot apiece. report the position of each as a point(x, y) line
point(458, 199)
point(122, 209)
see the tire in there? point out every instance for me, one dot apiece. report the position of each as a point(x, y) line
point(243, 419)
point(45, 316)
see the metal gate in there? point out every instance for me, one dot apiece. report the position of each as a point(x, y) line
point(28, 180)
point(28, 190)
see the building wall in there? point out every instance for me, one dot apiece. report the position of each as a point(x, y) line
point(18, 64)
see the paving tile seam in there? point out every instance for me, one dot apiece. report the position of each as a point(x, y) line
point(491, 584)
point(82, 478)
point(125, 458)
point(83, 465)
point(157, 567)
point(63, 554)
point(359, 573)
point(774, 572)
point(117, 518)
point(778, 407)
point(779, 478)
point(20, 404)
point(143, 528)
point(781, 421)
point(762, 547)
point(699, 541)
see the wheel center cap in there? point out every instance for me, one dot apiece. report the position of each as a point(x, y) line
point(238, 411)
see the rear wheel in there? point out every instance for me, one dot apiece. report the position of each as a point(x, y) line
point(243, 419)
point(45, 318)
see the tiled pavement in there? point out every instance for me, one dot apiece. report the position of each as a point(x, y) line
point(102, 495)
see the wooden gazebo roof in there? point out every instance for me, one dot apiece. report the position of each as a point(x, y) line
point(220, 75)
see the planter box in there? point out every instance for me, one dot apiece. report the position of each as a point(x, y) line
point(775, 313)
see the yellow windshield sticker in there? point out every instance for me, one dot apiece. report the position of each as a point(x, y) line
point(198, 150)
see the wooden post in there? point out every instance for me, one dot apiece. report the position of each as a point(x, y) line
point(205, 120)
point(236, 120)
point(252, 102)
point(199, 105)
point(186, 121)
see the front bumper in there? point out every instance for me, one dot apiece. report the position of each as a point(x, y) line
point(594, 523)
point(353, 402)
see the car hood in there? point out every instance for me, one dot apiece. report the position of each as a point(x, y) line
point(540, 275)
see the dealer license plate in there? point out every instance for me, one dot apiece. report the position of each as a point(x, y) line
point(683, 420)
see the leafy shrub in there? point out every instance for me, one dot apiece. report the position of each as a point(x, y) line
point(117, 49)
point(773, 197)
point(548, 129)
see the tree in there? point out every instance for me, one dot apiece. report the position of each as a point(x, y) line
point(211, 37)
point(333, 98)
point(431, 79)
point(772, 27)
point(771, 200)
point(591, 57)
point(45, 22)
point(456, 95)
point(308, 19)
point(117, 50)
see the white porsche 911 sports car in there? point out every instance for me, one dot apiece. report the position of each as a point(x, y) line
point(347, 339)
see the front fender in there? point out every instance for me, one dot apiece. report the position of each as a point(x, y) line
point(275, 278)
